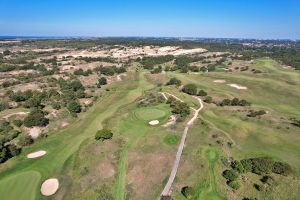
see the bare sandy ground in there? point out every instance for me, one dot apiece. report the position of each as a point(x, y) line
point(36, 154)
point(171, 121)
point(49, 187)
point(219, 81)
point(239, 87)
point(126, 52)
point(35, 132)
point(17, 113)
point(154, 122)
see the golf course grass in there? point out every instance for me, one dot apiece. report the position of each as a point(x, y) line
point(20, 186)
point(62, 145)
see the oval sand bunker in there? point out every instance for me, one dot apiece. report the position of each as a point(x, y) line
point(49, 187)
point(36, 154)
point(154, 122)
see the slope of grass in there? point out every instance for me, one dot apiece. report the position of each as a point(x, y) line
point(60, 146)
point(23, 186)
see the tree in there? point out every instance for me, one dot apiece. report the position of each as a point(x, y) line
point(6, 52)
point(202, 93)
point(102, 81)
point(188, 192)
point(74, 107)
point(230, 175)
point(13, 150)
point(103, 134)
point(281, 168)
point(174, 81)
point(36, 118)
point(190, 89)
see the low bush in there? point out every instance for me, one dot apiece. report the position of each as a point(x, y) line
point(230, 174)
point(188, 192)
point(190, 89)
point(104, 134)
point(234, 185)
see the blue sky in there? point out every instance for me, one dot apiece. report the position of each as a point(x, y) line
point(177, 18)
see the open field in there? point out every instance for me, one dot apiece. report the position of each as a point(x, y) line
point(78, 92)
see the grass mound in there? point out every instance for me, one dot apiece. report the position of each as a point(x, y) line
point(171, 139)
point(24, 186)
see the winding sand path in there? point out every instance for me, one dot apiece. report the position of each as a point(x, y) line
point(167, 188)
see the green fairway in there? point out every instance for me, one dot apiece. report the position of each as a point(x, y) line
point(209, 189)
point(20, 186)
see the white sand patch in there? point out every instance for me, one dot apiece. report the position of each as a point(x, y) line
point(63, 124)
point(49, 187)
point(154, 122)
point(171, 121)
point(36, 154)
point(219, 81)
point(239, 87)
point(35, 132)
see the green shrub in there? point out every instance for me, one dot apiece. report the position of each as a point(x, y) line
point(74, 107)
point(102, 81)
point(18, 122)
point(190, 89)
point(230, 174)
point(25, 140)
point(103, 134)
point(36, 118)
point(202, 93)
point(236, 165)
point(208, 99)
point(188, 192)
point(234, 185)
point(174, 81)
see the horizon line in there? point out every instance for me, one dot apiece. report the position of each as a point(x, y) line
point(145, 37)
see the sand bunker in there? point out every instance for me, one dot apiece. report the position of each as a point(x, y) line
point(35, 132)
point(239, 87)
point(36, 154)
point(49, 187)
point(154, 122)
point(219, 81)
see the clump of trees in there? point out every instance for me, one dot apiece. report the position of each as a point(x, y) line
point(259, 166)
point(81, 72)
point(174, 81)
point(36, 118)
point(150, 62)
point(104, 134)
point(151, 99)
point(156, 70)
point(295, 122)
point(111, 70)
point(179, 108)
point(234, 102)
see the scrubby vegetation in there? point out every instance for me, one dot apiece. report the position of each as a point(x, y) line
point(179, 108)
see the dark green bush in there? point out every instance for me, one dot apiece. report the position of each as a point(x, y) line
point(234, 185)
point(230, 174)
point(104, 134)
point(190, 89)
point(188, 192)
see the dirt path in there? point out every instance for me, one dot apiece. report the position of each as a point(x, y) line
point(167, 188)
point(164, 95)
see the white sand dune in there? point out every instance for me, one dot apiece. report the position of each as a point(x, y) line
point(49, 187)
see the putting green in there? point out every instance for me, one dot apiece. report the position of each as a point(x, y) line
point(148, 114)
point(23, 186)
